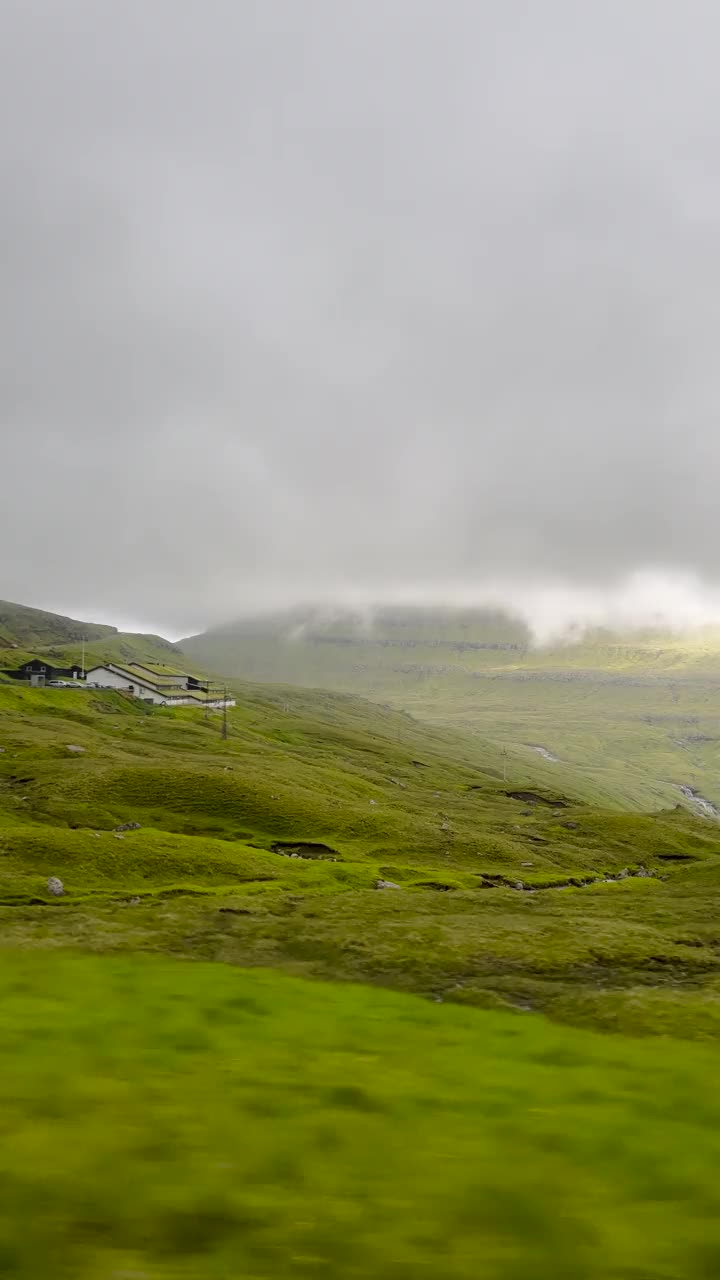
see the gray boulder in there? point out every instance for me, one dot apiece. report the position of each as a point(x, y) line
point(55, 887)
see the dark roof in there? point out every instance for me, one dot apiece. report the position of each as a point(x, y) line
point(43, 661)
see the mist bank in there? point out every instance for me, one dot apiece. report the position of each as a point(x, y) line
point(534, 613)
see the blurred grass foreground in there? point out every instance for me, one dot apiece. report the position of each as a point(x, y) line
point(170, 1119)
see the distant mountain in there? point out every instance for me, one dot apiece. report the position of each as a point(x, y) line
point(394, 649)
point(344, 650)
point(640, 713)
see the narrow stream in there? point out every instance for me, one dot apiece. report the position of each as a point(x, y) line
point(702, 806)
point(543, 751)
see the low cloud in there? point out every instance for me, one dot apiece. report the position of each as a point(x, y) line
point(553, 612)
point(327, 301)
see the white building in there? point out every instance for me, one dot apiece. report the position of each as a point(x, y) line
point(150, 684)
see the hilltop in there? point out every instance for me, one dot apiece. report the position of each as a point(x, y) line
point(25, 632)
point(24, 628)
point(636, 715)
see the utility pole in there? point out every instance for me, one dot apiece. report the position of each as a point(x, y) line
point(82, 672)
point(224, 719)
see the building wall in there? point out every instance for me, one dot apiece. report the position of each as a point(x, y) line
point(110, 679)
point(116, 680)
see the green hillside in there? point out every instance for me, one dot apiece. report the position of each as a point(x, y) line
point(25, 628)
point(637, 717)
point(169, 1118)
point(123, 646)
point(27, 633)
point(505, 889)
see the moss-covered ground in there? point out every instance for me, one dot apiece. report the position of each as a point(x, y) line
point(196, 1121)
point(268, 848)
point(168, 1117)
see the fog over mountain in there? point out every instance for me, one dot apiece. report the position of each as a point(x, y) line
point(360, 302)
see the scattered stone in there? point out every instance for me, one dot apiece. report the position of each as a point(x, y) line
point(373, 801)
point(386, 884)
point(571, 826)
point(133, 902)
point(444, 826)
point(127, 826)
point(72, 747)
point(526, 864)
point(2, 751)
point(118, 836)
point(55, 887)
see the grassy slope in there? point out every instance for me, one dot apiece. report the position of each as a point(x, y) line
point(213, 1123)
point(637, 717)
point(390, 799)
point(26, 632)
point(25, 628)
point(174, 1120)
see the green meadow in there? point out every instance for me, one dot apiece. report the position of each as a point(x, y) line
point(353, 993)
point(168, 1120)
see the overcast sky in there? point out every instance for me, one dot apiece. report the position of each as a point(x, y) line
point(317, 298)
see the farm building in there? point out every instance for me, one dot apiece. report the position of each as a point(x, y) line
point(40, 671)
point(167, 675)
point(161, 686)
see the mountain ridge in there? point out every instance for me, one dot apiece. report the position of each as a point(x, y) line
point(23, 627)
point(26, 631)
